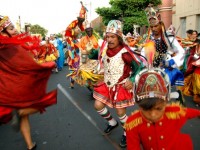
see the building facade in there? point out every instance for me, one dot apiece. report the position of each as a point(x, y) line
point(98, 26)
point(186, 15)
point(182, 14)
point(165, 10)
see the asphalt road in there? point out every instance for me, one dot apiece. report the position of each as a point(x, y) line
point(73, 124)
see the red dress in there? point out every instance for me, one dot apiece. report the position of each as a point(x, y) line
point(22, 81)
point(106, 95)
point(164, 134)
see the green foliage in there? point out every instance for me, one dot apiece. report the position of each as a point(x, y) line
point(37, 29)
point(59, 35)
point(130, 12)
point(98, 29)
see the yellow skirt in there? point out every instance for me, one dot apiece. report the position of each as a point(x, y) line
point(50, 57)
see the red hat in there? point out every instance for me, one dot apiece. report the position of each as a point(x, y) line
point(152, 82)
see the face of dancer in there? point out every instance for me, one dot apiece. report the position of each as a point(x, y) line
point(113, 40)
point(156, 29)
point(155, 113)
point(89, 32)
point(131, 41)
point(10, 31)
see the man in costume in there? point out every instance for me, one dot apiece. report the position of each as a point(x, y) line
point(166, 44)
point(119, 68)
point(71, 34)
point(87, 75)
point(157, 125)
point(22, 81)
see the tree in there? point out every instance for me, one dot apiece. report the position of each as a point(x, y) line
point(130, 12)
point(59, 35)
point(37, 29)
point(99, 29)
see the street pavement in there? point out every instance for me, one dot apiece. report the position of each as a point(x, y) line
point(73, 124)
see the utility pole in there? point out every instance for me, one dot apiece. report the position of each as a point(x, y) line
point(19, 24)
point(90, 12)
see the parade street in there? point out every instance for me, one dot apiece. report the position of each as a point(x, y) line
point(73, 124)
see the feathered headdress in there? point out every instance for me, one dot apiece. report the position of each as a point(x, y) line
point(82, 11)
point(152, 15)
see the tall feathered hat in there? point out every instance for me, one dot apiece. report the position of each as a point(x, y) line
point(4, 22)
point(151, 82)
point(115, 26)
point(152, 15)
point(83, 11)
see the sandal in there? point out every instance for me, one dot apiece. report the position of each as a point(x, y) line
point(33, 147)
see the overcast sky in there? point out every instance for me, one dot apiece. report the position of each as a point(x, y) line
point(54, 16)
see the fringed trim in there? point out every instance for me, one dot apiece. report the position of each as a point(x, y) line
point(134, 123)
point(177, 113)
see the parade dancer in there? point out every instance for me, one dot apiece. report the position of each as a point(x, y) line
point(87, 74)
point(22, 80)
point(119, 68)
point(192, 74)
point(166, 44)
point(157, 124)
point(71, 34)
point(47, 52)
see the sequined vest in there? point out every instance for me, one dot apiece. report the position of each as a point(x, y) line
point(114, 68)
point(161, 50)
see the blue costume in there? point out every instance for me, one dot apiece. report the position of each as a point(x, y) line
point(175, 75)
point(61, 59)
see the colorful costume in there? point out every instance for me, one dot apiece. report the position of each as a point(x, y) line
point(46, 53)
point(187, 45)
point(61, 59)
point(192, 75)
point(23, 81)
point(156, 125)
point(87, 75)
point(71, 34)
point(164, 134)
point(166, 44)
point(118, 65)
